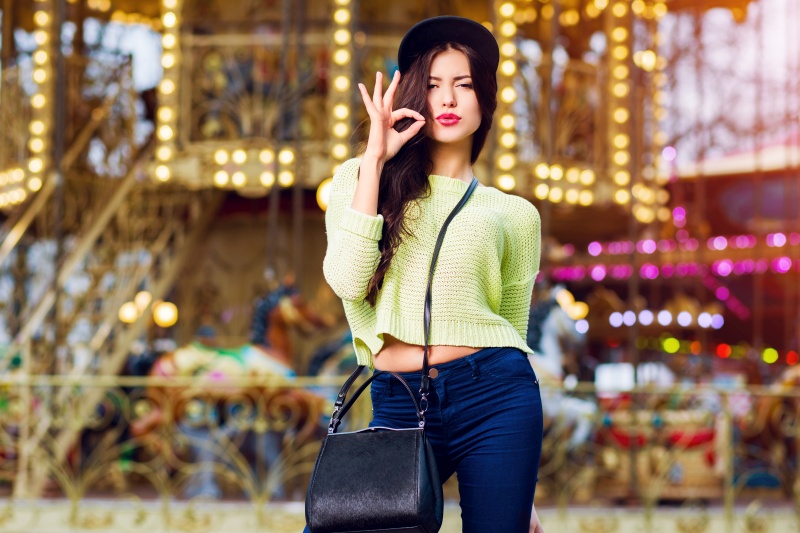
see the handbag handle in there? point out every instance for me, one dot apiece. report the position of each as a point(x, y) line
point(340, 410)
point(339, 406)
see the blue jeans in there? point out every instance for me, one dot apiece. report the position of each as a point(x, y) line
point(484, 422)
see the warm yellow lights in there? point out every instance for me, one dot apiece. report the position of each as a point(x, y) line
point(39, 75)
point(508, 67)
point(621, 140)
point(340, 129)
point(238, 179)
point(541, 191)
point(266, 156)
point(165, 114)
point(128, 313)
point(168, 60)
point(659, 9)
point(35, 165)
point(169, 19)
point(170, 4)
point(165, 314)
point(556, 172)
point(569, 17)
point(571, 196)
point(621, 115)
point(41, 18)
point(508, 95)
point(556, 194)
point(341, 16)
point(267, 179)
point(339, 151)
point(38, 101)
point(167, 86)
point(508, 49)
point(341, 57)
point(164, 153)
point(619, 9)
point(622, 197)
point(286, 157)
point(165, 133)
point(341, 111)
point(169, 41)
point(36, 127)
point(34, 184)
point(587, 177)
point(622, 178)
point(286, 178)
point(508, 140)
point(572, 175)
point(622, 158)
point(620, 72)
point(506, 182)
point(239, 157)
point(40, 57)
point(508, 29)
point(36, 145)
point(341, 37)
point(506, 161)
point(40, 37)
point(341, 83)
point(620, 52)
point(637, 6)
point(221, 178)
point(542, 171)
point(601, 4)
point(620, 89)
point(162, 173)
point(324, 193)
point(507, 9)
point(507, 122)
point(586, 198)
point(221, 157)
point(660, 137)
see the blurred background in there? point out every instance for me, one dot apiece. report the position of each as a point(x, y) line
point(169, 349)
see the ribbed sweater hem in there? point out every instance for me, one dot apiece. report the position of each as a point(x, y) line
point(361, 224)
point(443, 332)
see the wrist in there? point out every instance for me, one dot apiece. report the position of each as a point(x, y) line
point(372, 162)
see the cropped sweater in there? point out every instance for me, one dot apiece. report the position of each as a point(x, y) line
point(482, 284)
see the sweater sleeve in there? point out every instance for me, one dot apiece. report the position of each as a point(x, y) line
point(352, 255)
point(520, 265)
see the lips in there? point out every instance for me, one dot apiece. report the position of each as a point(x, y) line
point(448, 119)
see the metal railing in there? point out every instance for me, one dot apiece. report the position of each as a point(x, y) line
point(177, 451)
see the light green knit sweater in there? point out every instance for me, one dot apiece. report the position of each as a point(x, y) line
point(483, 280)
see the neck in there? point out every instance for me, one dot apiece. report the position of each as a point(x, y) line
point(452, 160)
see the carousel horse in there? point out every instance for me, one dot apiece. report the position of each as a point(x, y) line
point(769, 431)
point(551, 335)
point(214, 413)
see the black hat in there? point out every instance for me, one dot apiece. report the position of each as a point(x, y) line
point(446, 29)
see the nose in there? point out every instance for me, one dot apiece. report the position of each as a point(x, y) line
point(448, 99)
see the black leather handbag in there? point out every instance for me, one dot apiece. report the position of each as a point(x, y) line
point(379, 479)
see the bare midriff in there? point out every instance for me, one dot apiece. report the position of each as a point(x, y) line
point(399, 356)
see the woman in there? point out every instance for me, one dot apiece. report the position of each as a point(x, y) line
point(385, 212)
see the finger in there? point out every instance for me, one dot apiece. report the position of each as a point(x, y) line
point(388, 98)
point(365, 96)
point(397, 114)
point(377, 99)
point(412, 130)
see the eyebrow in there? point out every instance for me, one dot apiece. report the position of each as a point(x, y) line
point(454, 79)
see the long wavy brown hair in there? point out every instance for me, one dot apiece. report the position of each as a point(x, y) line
point(405, 176)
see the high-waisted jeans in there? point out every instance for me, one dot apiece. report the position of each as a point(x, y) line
point(484, 422)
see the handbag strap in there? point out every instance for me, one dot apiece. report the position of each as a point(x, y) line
point(339, 406)
point(425, 385)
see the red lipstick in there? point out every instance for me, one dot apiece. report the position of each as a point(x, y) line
point(448, 119)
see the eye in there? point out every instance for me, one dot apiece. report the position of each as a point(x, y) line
point(466, 85)
point(431, 86)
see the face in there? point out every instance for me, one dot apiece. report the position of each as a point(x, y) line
point(452, 100)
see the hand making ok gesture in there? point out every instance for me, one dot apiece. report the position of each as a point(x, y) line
point(384, 141)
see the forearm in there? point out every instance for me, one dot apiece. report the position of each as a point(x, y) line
point(365, 199)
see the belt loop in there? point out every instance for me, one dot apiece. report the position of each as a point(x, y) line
point(476, 373)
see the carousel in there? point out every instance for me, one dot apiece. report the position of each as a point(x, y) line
point(165, 330)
